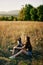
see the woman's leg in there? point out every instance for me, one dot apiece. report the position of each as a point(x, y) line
point(16, 54)
point(21, 51)
point(25, 52)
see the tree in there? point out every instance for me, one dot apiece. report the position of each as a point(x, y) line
point(6, 18)
point(41, 18)
point(3, 18)
point(21, 15)
point(15, 18)
point(40, 12)
point(34, 15)
point(25, 13)
point(10, 18)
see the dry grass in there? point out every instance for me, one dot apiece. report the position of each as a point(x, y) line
point(10, 31)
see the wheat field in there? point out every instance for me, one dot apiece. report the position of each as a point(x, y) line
point(11, 30)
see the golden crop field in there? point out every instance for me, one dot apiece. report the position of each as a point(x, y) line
point(11, 30)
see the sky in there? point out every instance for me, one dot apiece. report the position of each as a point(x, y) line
point(7, 5)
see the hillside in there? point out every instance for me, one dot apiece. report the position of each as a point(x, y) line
point(9, 13)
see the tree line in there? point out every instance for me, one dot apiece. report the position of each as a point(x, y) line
point(30, 13)
point(27, 13)
point(8, 18)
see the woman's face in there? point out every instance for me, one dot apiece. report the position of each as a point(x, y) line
point(18, 42)
point(25, 39)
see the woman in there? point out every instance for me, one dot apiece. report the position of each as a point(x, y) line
point(28, 46)
point(19, 42)
point(18, 47)
point(26, 49)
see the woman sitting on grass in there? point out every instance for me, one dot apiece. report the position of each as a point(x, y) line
point(26, 49)
point(17, 47)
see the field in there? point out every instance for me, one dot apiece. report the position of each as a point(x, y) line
point(11, 31)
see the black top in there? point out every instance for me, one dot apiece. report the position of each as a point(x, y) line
point(19, 45)
point(28, 46)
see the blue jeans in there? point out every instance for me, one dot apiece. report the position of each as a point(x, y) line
point(29, 52)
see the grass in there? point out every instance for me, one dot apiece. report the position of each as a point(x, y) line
point(10, 31)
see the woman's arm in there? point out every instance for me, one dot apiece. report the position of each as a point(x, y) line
point(18, 48)
point(23, 47)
